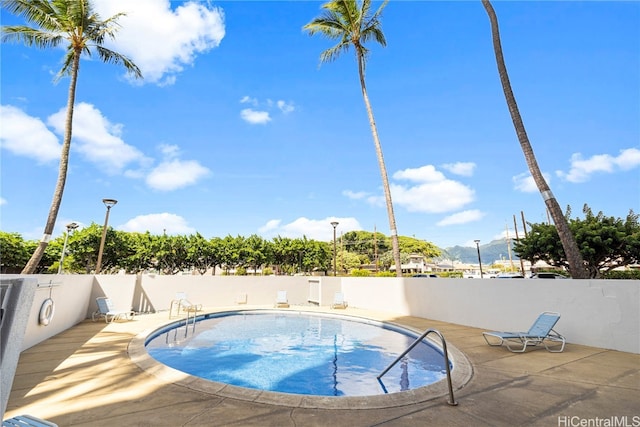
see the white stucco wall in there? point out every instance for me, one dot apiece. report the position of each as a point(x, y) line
point(599, 313)
point(70, 294)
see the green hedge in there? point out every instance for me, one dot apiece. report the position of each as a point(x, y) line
point(622, 274)
point(359, 273)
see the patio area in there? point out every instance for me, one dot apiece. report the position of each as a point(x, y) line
point(85, 376)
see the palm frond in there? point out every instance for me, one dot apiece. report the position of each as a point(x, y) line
point(38, 12)
point(109, 56)
point(332, 53)
point(351, 23)
point(73, 21)
point(31, 36)
point(67, 63)
point(376, 16)
point(374, 33)
point(329, 25)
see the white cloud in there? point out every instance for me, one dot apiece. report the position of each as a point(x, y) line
point(355, 195)
point(434, 193)
point(255, 117)
point(582, 169)
point(260, 114)
point(462, 217)
point(285, 107)
point(460, 168)
point(158, 224)
point(174, 174)
point(628, 159)
point(97, 138)
point(99, 142)
point(248, 100)
point(3, 201)
point(169, 151)
point(27, 136)
point(508, 233)
point(270, 225)
point(160, 40)
point(426, 173)
point(524, 182)
point(316, 229)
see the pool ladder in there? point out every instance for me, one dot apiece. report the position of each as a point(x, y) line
point(452, 400)
point(178, 304)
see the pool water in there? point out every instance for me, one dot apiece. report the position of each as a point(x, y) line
point(299, 353)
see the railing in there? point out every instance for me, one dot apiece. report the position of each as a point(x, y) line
point(451, 400)
point(178, 304)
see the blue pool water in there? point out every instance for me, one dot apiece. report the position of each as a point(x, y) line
point(298, 353)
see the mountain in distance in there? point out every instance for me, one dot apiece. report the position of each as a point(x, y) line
point(489, 253)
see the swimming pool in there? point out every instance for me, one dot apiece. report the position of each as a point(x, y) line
point(298, 352)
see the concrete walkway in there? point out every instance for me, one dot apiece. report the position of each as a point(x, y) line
point(85, 376)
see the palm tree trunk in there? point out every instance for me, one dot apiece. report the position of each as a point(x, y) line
point(572, 252)
point(32, 265)
point(383, 169)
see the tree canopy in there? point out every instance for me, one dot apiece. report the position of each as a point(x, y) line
point(605, 242)
point(134, 252)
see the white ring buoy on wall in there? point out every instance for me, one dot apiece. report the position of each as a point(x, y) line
point(46, 312)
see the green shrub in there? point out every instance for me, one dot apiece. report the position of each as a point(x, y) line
point(622, 274)
point(451, 274)
point(385, 274)
point(267, 271)
point(241, 271)
point(356, 272)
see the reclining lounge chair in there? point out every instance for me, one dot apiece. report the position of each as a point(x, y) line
point(338, 301)
point(541, 332)
point(281, 300)
point(27, 421)
point(106, 310)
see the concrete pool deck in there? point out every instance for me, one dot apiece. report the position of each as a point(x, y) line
point(85, 376)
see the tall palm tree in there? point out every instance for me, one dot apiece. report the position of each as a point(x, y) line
point(55, 22)
point(577, 266)
point(353, 24)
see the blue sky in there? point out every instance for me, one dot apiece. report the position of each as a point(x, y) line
point(237, 130)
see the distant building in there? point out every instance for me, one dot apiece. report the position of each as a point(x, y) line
point(415, 264)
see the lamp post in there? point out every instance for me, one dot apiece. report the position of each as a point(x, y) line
point(479, 260)
point(70, 226)
point(335, 270)
point(109, 204)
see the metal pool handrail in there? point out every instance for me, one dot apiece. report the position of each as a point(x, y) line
point(451, 400)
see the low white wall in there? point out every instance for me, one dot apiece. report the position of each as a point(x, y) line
point(220, 291)
point(70, 295)
point(599, 313)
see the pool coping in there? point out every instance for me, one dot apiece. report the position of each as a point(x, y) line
point(461, 374)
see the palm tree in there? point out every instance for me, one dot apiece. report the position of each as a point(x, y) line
point(576, 263)
point(56, 22)
point(352, 24)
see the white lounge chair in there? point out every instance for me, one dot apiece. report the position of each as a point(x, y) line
point(27, 421)
point(338, 301)
point(106, 310)
point(282, 300)
point(242, 298)
point(541, 332)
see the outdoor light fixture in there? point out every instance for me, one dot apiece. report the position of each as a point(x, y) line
point(334, 224)
point(479, 260)
point(109, 203)
point(70, 226)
